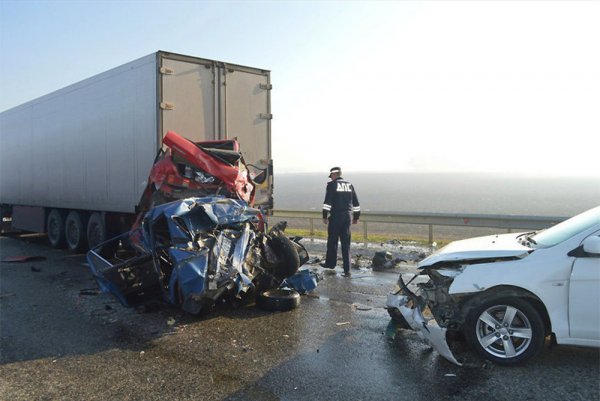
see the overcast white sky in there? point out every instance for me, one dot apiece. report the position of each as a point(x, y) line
point(480, 86)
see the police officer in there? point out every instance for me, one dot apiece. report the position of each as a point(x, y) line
point(339, 209)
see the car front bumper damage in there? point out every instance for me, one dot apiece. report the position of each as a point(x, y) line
point(427, 328)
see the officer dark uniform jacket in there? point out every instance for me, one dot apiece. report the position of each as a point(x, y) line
point(341, 207)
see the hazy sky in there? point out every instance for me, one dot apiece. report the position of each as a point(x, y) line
point(509, 86)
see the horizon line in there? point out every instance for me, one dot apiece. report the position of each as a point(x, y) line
point(520, 174)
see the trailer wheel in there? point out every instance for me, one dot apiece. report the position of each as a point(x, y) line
point(96, 230)
point(97, 233)
point(75, 232)
point(55, 227)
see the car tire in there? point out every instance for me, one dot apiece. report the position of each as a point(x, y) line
point(55, 228)
point(75, 232)
point(505, 341)
point(288, 255)
point(279, 299)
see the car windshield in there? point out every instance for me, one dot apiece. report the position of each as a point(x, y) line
point(568, 228)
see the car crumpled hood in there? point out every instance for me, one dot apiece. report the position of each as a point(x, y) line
point(198, 214)
point(488, 247)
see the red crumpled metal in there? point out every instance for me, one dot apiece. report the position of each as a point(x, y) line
point(236, 179)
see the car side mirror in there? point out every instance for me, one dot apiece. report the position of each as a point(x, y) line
point(591, 245)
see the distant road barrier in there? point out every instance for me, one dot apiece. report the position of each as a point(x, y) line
point(506, 222)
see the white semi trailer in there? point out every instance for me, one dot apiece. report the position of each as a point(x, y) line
point(76, 161)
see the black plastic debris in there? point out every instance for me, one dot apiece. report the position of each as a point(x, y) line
point(381, 258)
point(385, 260)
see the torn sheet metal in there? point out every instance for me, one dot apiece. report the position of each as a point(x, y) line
point(304, 281)
point(426, 328)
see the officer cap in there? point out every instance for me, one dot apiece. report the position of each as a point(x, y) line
point(335, 170)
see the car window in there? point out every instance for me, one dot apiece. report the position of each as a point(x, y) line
point(568, 228)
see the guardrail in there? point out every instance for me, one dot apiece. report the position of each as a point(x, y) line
point(506, 222)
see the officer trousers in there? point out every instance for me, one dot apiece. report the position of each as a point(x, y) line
point(338, 229)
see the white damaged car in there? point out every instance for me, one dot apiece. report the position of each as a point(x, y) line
point(507, 293)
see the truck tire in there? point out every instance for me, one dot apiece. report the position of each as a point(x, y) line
point(75, 232)
point(96, 230)
point(55, 227)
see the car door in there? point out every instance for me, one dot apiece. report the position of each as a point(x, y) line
point(132, 277)
point(584, 291)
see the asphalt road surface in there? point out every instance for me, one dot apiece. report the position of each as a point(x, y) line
point(62, 340)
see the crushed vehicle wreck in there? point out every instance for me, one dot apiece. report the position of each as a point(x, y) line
point(188, 169)
point(197, 238)
point(506, 293)
point(195, 251)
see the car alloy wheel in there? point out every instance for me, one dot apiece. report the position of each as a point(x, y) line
point(506, 331)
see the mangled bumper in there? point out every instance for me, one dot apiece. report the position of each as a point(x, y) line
point(426, 328)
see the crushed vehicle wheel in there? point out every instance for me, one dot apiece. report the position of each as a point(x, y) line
point(287, 253)
point(278, 299)
point(55, 227)
point(506, 331)
point(75, 231)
